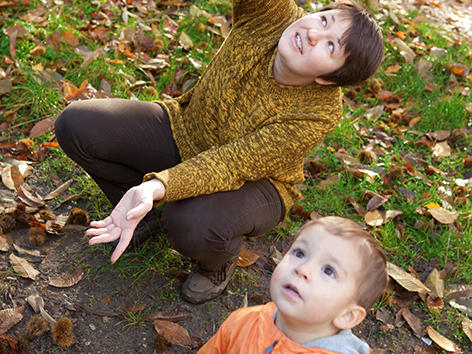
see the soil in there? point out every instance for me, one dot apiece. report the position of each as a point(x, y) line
point(97, 304)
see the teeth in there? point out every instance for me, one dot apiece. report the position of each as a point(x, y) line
point(299, 42)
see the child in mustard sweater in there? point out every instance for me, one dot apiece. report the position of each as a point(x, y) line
point(322, 288)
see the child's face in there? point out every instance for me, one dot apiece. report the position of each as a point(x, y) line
point(316, 280)
point(310, 47)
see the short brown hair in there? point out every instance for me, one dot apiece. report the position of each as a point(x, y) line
point(362, 42)
point(373, 277)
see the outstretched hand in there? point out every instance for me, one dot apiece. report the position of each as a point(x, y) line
point(126, 215)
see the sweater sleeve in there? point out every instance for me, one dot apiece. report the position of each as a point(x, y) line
point(265, 12)
point(275, 151)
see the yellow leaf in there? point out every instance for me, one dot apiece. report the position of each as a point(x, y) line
point(433, 205)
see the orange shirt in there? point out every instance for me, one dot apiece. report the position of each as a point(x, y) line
point(251, 330)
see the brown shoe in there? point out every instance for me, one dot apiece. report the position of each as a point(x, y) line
point(202, 285)
point(150, 225)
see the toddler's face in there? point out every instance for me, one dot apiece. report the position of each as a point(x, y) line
point(316, 279)
point(310, 47)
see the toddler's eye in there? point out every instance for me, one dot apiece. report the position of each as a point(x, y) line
point(324, 22)
point(329, 271)
point(331, 47)
point(299, 253)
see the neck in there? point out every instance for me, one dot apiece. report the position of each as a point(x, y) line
point(300, 332)
point(282, 77)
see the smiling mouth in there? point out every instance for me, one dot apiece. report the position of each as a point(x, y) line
point(293, 290)
point(298, 41)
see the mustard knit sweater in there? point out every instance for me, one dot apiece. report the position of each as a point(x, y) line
point(237, 124)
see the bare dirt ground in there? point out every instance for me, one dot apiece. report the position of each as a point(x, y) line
point(100, 305)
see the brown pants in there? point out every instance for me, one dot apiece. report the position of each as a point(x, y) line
point(118, 141)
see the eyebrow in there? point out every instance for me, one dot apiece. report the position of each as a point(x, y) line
point(334, 21)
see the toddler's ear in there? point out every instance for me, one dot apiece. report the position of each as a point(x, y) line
point(350, 318)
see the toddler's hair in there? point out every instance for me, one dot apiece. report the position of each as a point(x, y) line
point(362, 43)
point(373, 277)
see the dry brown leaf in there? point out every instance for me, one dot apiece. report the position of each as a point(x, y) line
point(173, 332)
point(374, 218)
point(329, 181)
point(436, 284)
point(390, 214)
point(376, 201)
point(29, 255)
point(442, 341)
point(172, 316)
point(436, 305)
point(42, 127)
point(10, 317)
point(5, 86)
point(359, 208)
point(37, 303)
point(65, 280)
point(11, 177)
point(22, 267)
point(442, 149)
point(414, 323)
point(458, 291)
point(246, 258)
point(31, 199)
point(443, 216)
point(408, 281)
point(59, 190)
point(467, 327)
point(6, 241)
point(374, 113)
point(275, 257)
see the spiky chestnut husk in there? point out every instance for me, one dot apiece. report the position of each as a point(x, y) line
point(37, 326)
point(7, 223)
point(78, 217)
point(61, 332)
point(37, 236)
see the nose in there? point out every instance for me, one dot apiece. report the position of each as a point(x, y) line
point(303, 271)
point(313, 36)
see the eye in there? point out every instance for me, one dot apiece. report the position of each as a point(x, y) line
point(329, 271)
point(324, 22)
point(331, 47)
point(299, 253)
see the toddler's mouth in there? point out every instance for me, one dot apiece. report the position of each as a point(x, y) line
point(293, 290)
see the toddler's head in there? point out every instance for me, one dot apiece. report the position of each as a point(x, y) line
point(332, 274)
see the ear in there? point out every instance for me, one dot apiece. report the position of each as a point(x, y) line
point(321, 81)
point(350, 318)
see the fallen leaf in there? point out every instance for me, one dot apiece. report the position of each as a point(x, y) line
point(458, 291)
point(6, 241)
point(59, 190)
point(443, 216)
point(414, 323)
point(66, 280)
point(436, 305)
point(10, 317)
point(408, 281)
point(173, 332)
point(374, 218)
point(5, 86)
point(31, 199)
point(22, 267)
point(441, 149)
point(376, 201)
point(171, 316)
point(42, 127)
point(390, 214)
point(11, 177)
point(436, 284)
point(246, 258)
point(374, 113)
point(442, 342)
point(467, 327)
